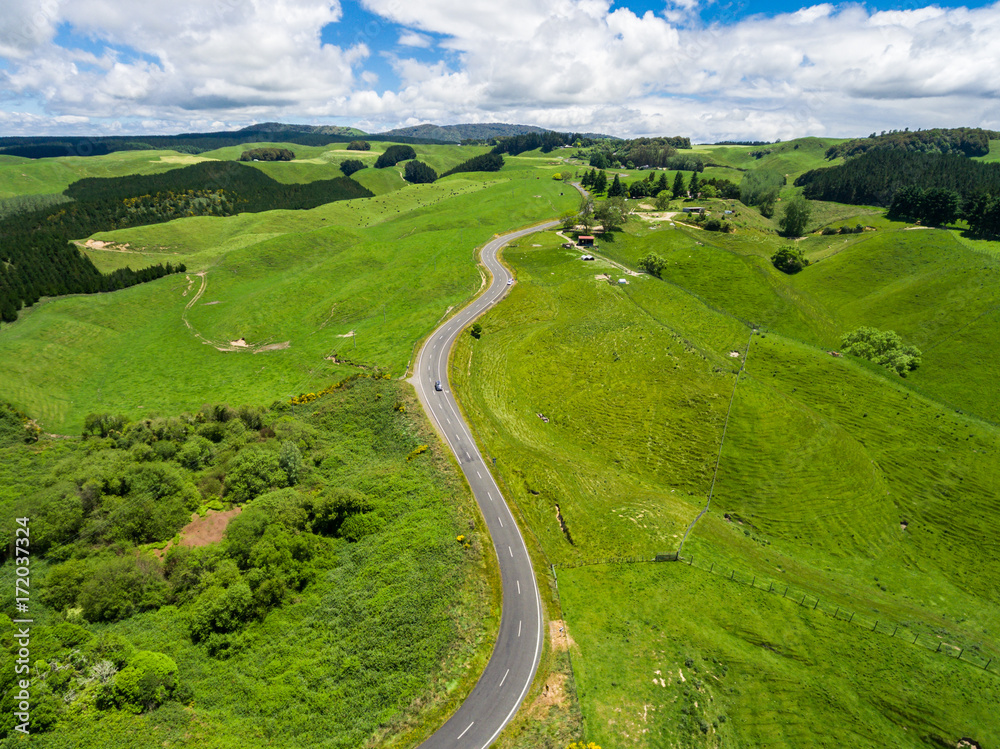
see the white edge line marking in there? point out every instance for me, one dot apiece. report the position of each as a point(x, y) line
point(466, 730)
point(538, 600)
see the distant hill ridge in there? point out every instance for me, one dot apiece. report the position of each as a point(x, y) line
point(471, 131)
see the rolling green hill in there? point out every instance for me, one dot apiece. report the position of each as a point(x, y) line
point(864, 492)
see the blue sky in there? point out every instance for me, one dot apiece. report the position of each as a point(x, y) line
point(710, 70)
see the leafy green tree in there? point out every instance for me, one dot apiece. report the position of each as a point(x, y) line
point(638, 189)
point(252, 472)
point(476, 331)
point(789, 260)
point(662, 202)
point(290, 460)
point(617, 189)
point(678, 189)
point(653, 264)
point(117, 588)
point(693, 185)
point(568, 220)
point(612, 214)
point(149, 680)
point(359, 145)
point(661, 183)
point(882, 347)
point(599, 160)
point(796, 217)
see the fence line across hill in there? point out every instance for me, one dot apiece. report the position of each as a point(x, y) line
point(936, 643)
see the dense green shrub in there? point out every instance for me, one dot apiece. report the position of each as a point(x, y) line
point(882, 347)
point(149, 680)
point(789, 259)
point(252, 472)
point(117, 588)
point(359, 145)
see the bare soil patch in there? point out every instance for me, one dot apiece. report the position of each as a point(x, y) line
point(559, 636)
point(202, 531)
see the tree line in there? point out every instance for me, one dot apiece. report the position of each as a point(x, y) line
point(36, 255)
point(932, 188)
point(966, 141)
point(487, 162)
point(267, 154)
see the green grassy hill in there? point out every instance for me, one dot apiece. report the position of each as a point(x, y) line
point(301, 282)
point(865, 492)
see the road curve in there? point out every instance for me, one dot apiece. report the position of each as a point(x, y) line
point(511, 668)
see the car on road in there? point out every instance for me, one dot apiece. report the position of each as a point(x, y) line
point(437, 385)
point(510, 281)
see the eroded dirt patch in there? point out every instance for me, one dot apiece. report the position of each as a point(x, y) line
point(559, 636)
point(202, 531)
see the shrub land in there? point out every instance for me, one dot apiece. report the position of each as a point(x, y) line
point(263, 629)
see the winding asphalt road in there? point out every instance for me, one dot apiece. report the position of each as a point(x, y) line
point(518, 648)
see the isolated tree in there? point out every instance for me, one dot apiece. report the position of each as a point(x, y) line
point(789, 260)
point(661, 183)
point(678, 189)
point(476, 331)
point(359, 145)
point(796, 216)
point(663, 200)
point(568, 220)
point(586, 214)
point(612, 214)
point(653, 264)
point(883, 347)
point(693, 185)
point(617, 189)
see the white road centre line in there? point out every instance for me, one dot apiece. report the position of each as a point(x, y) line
point(466, 730)
point(488, 494)
point(519, 587)
point(519, 628)
point(447, 419)
point(479, 474)
point(511, 551)
point(504, 677)
point(501, 520)
point(467, 456)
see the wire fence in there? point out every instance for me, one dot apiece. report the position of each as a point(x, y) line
point(939, 641)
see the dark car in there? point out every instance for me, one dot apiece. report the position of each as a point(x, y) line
point(437, 385)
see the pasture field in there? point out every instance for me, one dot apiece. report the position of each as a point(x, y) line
point(353, 283)
point(669, 656)
point(866, 491)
